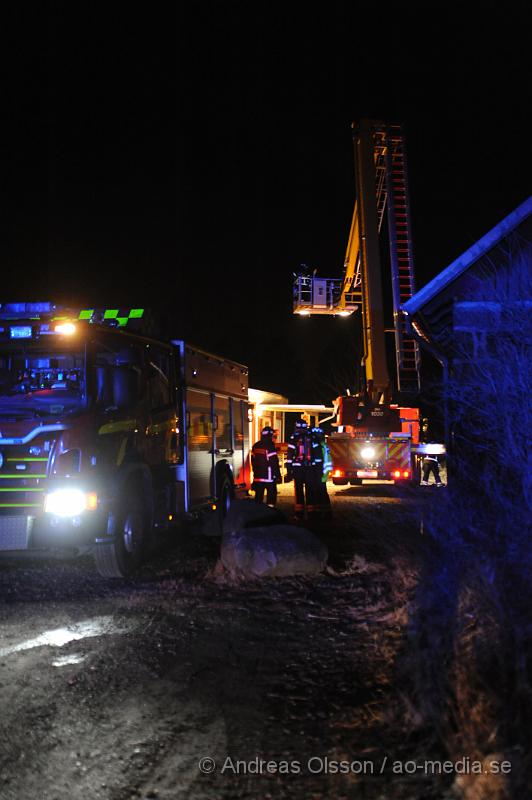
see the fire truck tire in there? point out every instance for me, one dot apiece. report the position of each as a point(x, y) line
point(120, 558)
point(226, 495)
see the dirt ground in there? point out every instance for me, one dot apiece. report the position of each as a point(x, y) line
point(286, 688)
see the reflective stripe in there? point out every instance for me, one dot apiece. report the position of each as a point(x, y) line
point(32, 434)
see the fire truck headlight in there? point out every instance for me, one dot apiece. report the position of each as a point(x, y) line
point(367, 452)
point(69, 502)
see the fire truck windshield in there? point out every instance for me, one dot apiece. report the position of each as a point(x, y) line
point(41, 381)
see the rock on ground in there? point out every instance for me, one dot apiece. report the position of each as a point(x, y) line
point(273, 551)
point(247, 513)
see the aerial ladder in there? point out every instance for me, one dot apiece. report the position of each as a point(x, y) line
point(381, 194)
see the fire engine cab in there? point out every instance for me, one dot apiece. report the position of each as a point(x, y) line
point(107, 435)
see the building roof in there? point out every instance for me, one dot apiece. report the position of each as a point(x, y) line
point(472, 255)
point(264, 397)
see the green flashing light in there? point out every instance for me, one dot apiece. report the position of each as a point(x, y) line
point(122, 321)
point(136, 313)
point(111, 313)
point(86, 313)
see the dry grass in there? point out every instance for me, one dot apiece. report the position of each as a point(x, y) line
point(470, 647)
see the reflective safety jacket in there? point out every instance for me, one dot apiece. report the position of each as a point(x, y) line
point(327, 461)
point(265, 462)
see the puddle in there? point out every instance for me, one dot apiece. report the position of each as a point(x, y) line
point(62, 661)
point(58, 637)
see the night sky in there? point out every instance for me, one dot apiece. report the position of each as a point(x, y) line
point(191, 159)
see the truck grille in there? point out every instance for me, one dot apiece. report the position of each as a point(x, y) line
point(14, 532)
point(22, 479)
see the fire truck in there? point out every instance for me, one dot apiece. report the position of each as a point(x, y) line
point(374, 442)
point(375, 438)
point(108, 435)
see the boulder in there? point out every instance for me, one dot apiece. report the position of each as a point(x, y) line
point(247, 513)
point(272, 551)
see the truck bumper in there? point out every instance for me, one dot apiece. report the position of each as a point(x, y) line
point(358, 475)
point(42, 534)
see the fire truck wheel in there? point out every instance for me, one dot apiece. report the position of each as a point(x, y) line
point(225, 495)
point(120, 558)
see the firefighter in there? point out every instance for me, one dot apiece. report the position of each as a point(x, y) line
point(322, 501)
point(265, 465)
point(304, 465)
point(430, 464)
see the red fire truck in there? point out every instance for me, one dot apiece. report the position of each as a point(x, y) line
point(107, 435)
point(376, 442)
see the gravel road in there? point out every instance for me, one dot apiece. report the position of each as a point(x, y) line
point(286, 688)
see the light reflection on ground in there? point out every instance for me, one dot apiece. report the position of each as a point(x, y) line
point(61, 636)
point(63, 661)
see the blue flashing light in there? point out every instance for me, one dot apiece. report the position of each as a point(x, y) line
point(20, 332)
point(28, 308)
point(40, 308)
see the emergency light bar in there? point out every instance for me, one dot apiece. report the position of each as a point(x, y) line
point(47, 312)
point(25, 310)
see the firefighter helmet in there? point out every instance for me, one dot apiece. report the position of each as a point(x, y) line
point(267, 431)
